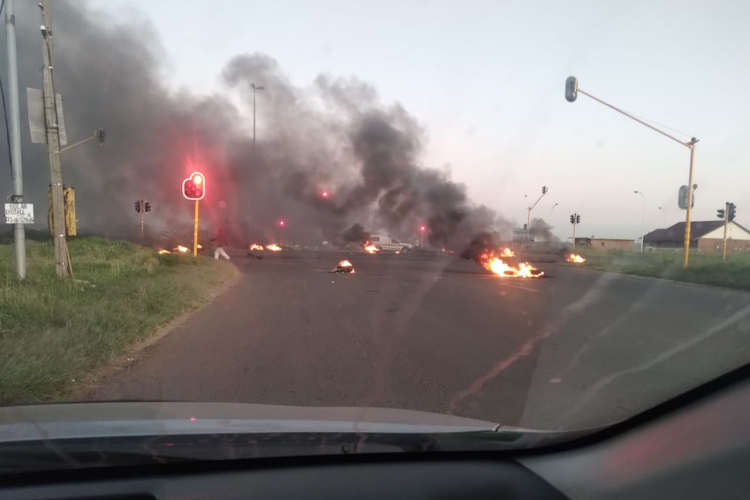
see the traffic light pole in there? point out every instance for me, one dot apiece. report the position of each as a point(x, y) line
point(195, 231)
point(691, 144)
point(575, 224)
point(726, 223)
point(528, 218)
point(143, 215)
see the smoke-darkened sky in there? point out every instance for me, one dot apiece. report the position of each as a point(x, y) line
point(474, 92)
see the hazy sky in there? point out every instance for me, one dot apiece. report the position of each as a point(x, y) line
point(486, 80)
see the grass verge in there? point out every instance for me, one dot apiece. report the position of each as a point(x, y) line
point(53, 332)
point(705, 269)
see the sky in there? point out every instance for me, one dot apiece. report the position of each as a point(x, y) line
point(485, 80)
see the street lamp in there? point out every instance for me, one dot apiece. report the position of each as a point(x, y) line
point(553, 207)
point(664, 217)
point(643, 215)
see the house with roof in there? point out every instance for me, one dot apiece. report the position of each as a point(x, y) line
point(705, 236)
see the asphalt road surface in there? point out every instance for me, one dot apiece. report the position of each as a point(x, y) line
point(577, 349)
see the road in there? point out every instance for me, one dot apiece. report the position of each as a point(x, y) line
point(577, 349)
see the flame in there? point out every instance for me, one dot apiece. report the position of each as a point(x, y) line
point(255, 246)
point(182, 249)
point(200, 246)
point(164, 252)
point(497, 266)
point(346, 266)
point(575, 258)
point(274, 247)
point(507, 252)
point(370, 248)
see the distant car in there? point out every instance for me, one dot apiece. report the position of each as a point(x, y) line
point(388, 244)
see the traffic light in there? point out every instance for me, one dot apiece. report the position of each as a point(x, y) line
point(146, 207)
point(525, 227)
point(544, 190)
point(194, 187)
point(720, 214)
point(732, 211)
point(422, 228)
point(281, 223)
point(573, 219)
point(138, 206)
point(682, 198)
point(578, 219)
point(101, 135)
point(571, 89)
point(324, 194)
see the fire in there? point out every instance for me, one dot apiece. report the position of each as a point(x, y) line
point(497, 266)
point(575, 258)
point(255, 246)
point(274, 247)
point(507, 252)
point(182, 249)
point(345, 267)
point(164, 252)
point(200, 246)
point(370, 248)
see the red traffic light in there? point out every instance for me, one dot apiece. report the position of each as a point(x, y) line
point(194, 187)
point(422, 228)
point(324, 194)
point(281, 223)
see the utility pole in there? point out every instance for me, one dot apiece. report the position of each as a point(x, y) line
point(143, 215)
point(19, 231)
point(53, 147)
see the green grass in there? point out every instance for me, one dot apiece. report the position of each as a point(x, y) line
point(54, 332)
point(706, 269)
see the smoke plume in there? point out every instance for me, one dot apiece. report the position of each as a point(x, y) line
point(334, 136)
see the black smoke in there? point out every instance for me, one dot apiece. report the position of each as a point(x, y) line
point(335, 137)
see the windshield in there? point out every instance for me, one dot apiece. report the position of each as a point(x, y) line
point(510, 215)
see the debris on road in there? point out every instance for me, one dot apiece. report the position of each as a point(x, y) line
point(344, 266)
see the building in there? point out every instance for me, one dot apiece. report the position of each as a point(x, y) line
point(705, 236)
point(606, 243)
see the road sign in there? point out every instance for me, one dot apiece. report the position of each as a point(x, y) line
point(37, 121)
point(19, 213)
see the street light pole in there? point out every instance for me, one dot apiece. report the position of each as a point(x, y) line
point(253, 204)
point(14, 131)
point(643, 215)
point(553, 207)
point(255, 87)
